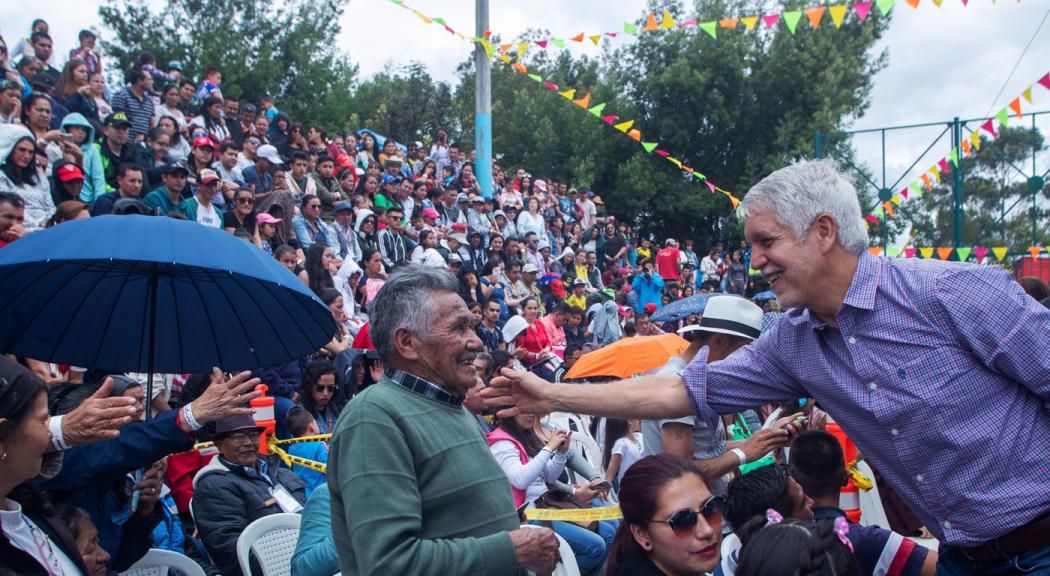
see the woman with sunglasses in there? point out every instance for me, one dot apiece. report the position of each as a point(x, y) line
point(320, 394)
point(243, 215)
point(672, 525)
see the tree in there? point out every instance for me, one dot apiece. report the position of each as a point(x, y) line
point(285, 50)
point(405, 103)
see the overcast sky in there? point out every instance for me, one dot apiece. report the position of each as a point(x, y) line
point(943, 62)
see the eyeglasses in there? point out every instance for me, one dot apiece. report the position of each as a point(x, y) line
point(313, 206)
point(683, 522)
point(244, 200)
point(242, 437)
point(325, 388)
point(255, 142)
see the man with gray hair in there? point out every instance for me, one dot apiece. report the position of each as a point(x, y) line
point(414, 487)
point(898, 351)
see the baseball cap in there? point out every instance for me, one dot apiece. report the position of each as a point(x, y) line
point(343, 205)
point(542, 185)
point(268, 152)
point(650, 308)
point(499, 213)
point(69, 172)
point(530, 268)
point(579, 282)
point(459, 237)
point(429, 212)
point(388, 179)
point(208, 176)
point(461, 197)
point(175, 65)
point(175, 167)
point(266, 218)
point(455, 259)
point(117, 119)
point(202, 142)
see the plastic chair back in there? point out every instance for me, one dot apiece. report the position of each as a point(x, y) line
point(272, 539)
point(159, 562)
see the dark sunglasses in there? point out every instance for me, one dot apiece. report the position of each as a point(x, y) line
point(683, 522)
point(325, 388)
point(245, 200)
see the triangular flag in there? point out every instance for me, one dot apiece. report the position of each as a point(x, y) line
point(1027, 94)
point(583, 102)
point(875, 250)
point(522, 48)
point(636, 134)
point(927, 253)
point(426, 19)
point(871, 218)
point(926, 181)
point(611, 34)
point(791, 19)
point(954, 157)
point(521, 68)
point(674, 160)
point(504, 47)
point(989, 127)
point(903, 193)
point(649, 146)
point(893, 251)
point(596, 39)
point(913, 3)
point(944, 166)
point(733, 199)
point(980, 252)
point(1045, 80)
point(661, 152)
point(667, 21)
point(888, 207)
point(610, 119)
point(914, 186)
point(488, 48)
point(597, 109)
point(1001, 116)
point(770, 20)
point(838, 12)
point(909, 252)
point(966, 146)
point(944, 252)
point(577, 38)
point(505, 58)
point(710, 186)
point(884, 6)
point(728, 23)
point(487, 34)
point(541, 43)
point(750, 21)
point(815, 15)
point(975, 139)
point(558, 42)
point(937, 3)
point(1035, 250)
point(551, 85)
point(687, 23)
point(568, 94)
point(963, 254)
point(440, 21)
point(1000, 252)
point(709, 27)
point(535, 77)
point(624, 126)
point(628, 27)
point(1015, 105)
point(896, 199)
point(650, 23)
point(862, 9)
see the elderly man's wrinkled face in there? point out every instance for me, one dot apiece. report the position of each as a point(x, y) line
point(240, 447)
point(449, 349)
point(790, 264)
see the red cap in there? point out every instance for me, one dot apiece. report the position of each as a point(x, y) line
point(68, 172)
point(202, 141)
point(650, 308)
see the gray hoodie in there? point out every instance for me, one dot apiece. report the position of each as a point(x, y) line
point(39, 206)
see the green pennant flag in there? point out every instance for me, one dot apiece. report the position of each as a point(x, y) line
point(560, 43)
point(709, 27)
point(916, 190)
point(1001, 117)
point(440, 21)
point(964, 253)
point(597, 110)
point(699, 176)
point(628, 27)
point(398, 1)
point(893, 251)
point(649, 146)
point(791, 19)
point(954, 156)
point(884, 6)
point(536, 77)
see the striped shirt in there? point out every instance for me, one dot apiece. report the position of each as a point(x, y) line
point(139, 112)
point(938, 371)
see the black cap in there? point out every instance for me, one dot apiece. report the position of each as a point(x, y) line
point(175, 167)
point(117, 119)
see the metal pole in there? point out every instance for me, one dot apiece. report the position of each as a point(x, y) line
point(818, 150)
point(483, 103)
point(957, 186)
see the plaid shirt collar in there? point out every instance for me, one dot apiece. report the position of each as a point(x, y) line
point(423, 386)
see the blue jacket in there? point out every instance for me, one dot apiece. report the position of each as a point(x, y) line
point(316, 451)
point(168, 534)
point(315, 552)
point(648, 291)
point(94, 173)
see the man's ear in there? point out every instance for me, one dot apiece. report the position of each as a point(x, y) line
point(406, 344)
point(826, 231)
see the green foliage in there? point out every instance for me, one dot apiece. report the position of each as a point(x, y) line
point(284, 50)
point(406, 103)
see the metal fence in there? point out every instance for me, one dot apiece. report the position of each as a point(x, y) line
point(887, 159)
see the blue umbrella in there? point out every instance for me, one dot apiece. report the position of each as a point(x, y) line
point(767, 295)
point(90, 292)
point(679, 309)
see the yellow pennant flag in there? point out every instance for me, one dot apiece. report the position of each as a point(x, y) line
point(650, 23)
point(728, 23)
point(838, 12)
point(1028, 94)
point(426, 19)
point(815, 15)
point(522, 47)
point(667, 21)
point(750, 21)
point(624, 126)
point(927, 253)
point(505, 58)
point(596, 39)
point(896, 199)
point(569, 94)
point(1000, 252)
point(975, 139)
point(937, 3)
point(583, 102)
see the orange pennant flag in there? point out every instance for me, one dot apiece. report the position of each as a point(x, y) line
point(577, 38)
point(1015, 105)
point(838, 12)
point(750, 21)
point(927, 253)
point(926, 181)
point(888, 207)
point(966, 146)
point(944, 252)
point(815, 15)
point(875, 250)
point(636, 134)
point(913, 3)
point(504, 47)
point(650, 23)
point(1035, 250)
point(728, 22)
point(520, 67)
point(1000, 252)
point(583, 102)
point(733, 199)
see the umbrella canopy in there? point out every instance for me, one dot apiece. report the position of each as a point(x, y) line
point(629, 356)
point(679, 309)
point(88, 293)
point(767, 295)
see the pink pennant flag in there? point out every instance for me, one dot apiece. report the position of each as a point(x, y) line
point(610, 119)
point(662, 152)
point(909, 252)
point(989, 127)
point(1045, 80)
point(871, 218)
point(980, 251)
point(550, 85)
point(611, 34)
point(771, 20)
point(710, 186)
point(541, 43)
point(944, 166)
point(689, 22)
point(904, 192)
point(862, 9)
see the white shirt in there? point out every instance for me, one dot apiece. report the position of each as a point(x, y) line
point(590, 213)
point(630, 452)
point(26, 536)
point(206, 215)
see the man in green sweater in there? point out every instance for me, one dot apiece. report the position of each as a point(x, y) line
point(414, 487)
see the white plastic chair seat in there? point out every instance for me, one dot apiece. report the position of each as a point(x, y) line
point(272, 539)
point(567, 566)
point(157, 562)
point(872, 512)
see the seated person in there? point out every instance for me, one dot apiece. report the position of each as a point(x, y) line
point(301, 423)
point(315, 552)
point(774, 546)
point(818, 465)
point(237, 488)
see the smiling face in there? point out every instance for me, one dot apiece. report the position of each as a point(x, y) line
point(240, 447)
point(447, 352)
point(26, 443)
point(694, 554)
point(788, 263)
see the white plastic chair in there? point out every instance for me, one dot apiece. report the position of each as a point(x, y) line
point(583, 441)
point(567, 566)
point(872, 512)
point(272, 539)
point(159, 562)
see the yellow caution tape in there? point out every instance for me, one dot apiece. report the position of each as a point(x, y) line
point(859, 479)
point(578, 515)
point(304, 439)
point(289, 460)
point(203, 445)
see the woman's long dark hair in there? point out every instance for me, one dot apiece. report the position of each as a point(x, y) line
point(209, 122)
point(526, 436)
point(318, 275)
point(21, 176)
point(312, 374)
point(793, 547)
point(359, 190)
point(639, 492)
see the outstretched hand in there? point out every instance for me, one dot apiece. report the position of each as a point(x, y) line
point(516, 393)
point(99, 417)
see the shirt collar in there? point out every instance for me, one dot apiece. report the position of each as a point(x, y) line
point(865, 283)
point(424, 387)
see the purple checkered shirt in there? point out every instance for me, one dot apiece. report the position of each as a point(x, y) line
point(939, 372)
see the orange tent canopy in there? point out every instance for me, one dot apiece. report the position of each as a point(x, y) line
point(629, 356)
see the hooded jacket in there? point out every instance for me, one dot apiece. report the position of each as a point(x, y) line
point(94, 172)
point(37, 197)
point(367, 240)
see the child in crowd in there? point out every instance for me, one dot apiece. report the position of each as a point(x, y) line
point(623, 447)
point(301, 424)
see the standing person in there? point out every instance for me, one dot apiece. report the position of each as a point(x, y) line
point(669, 261)
point(710, 270)
point(624, 445)
point(402, 472)
point(737, 274)
point(74, 91)
point(43, 47)
point(212, 121)
point(136, 102)
point(648, 286)
point(926, 337)
point(19, 174)
point(88, 52)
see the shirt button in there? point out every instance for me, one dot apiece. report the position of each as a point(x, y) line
point(852, 340)
point(918, 478)
point(873, 386)
point(894, 431)
point(947, 525)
